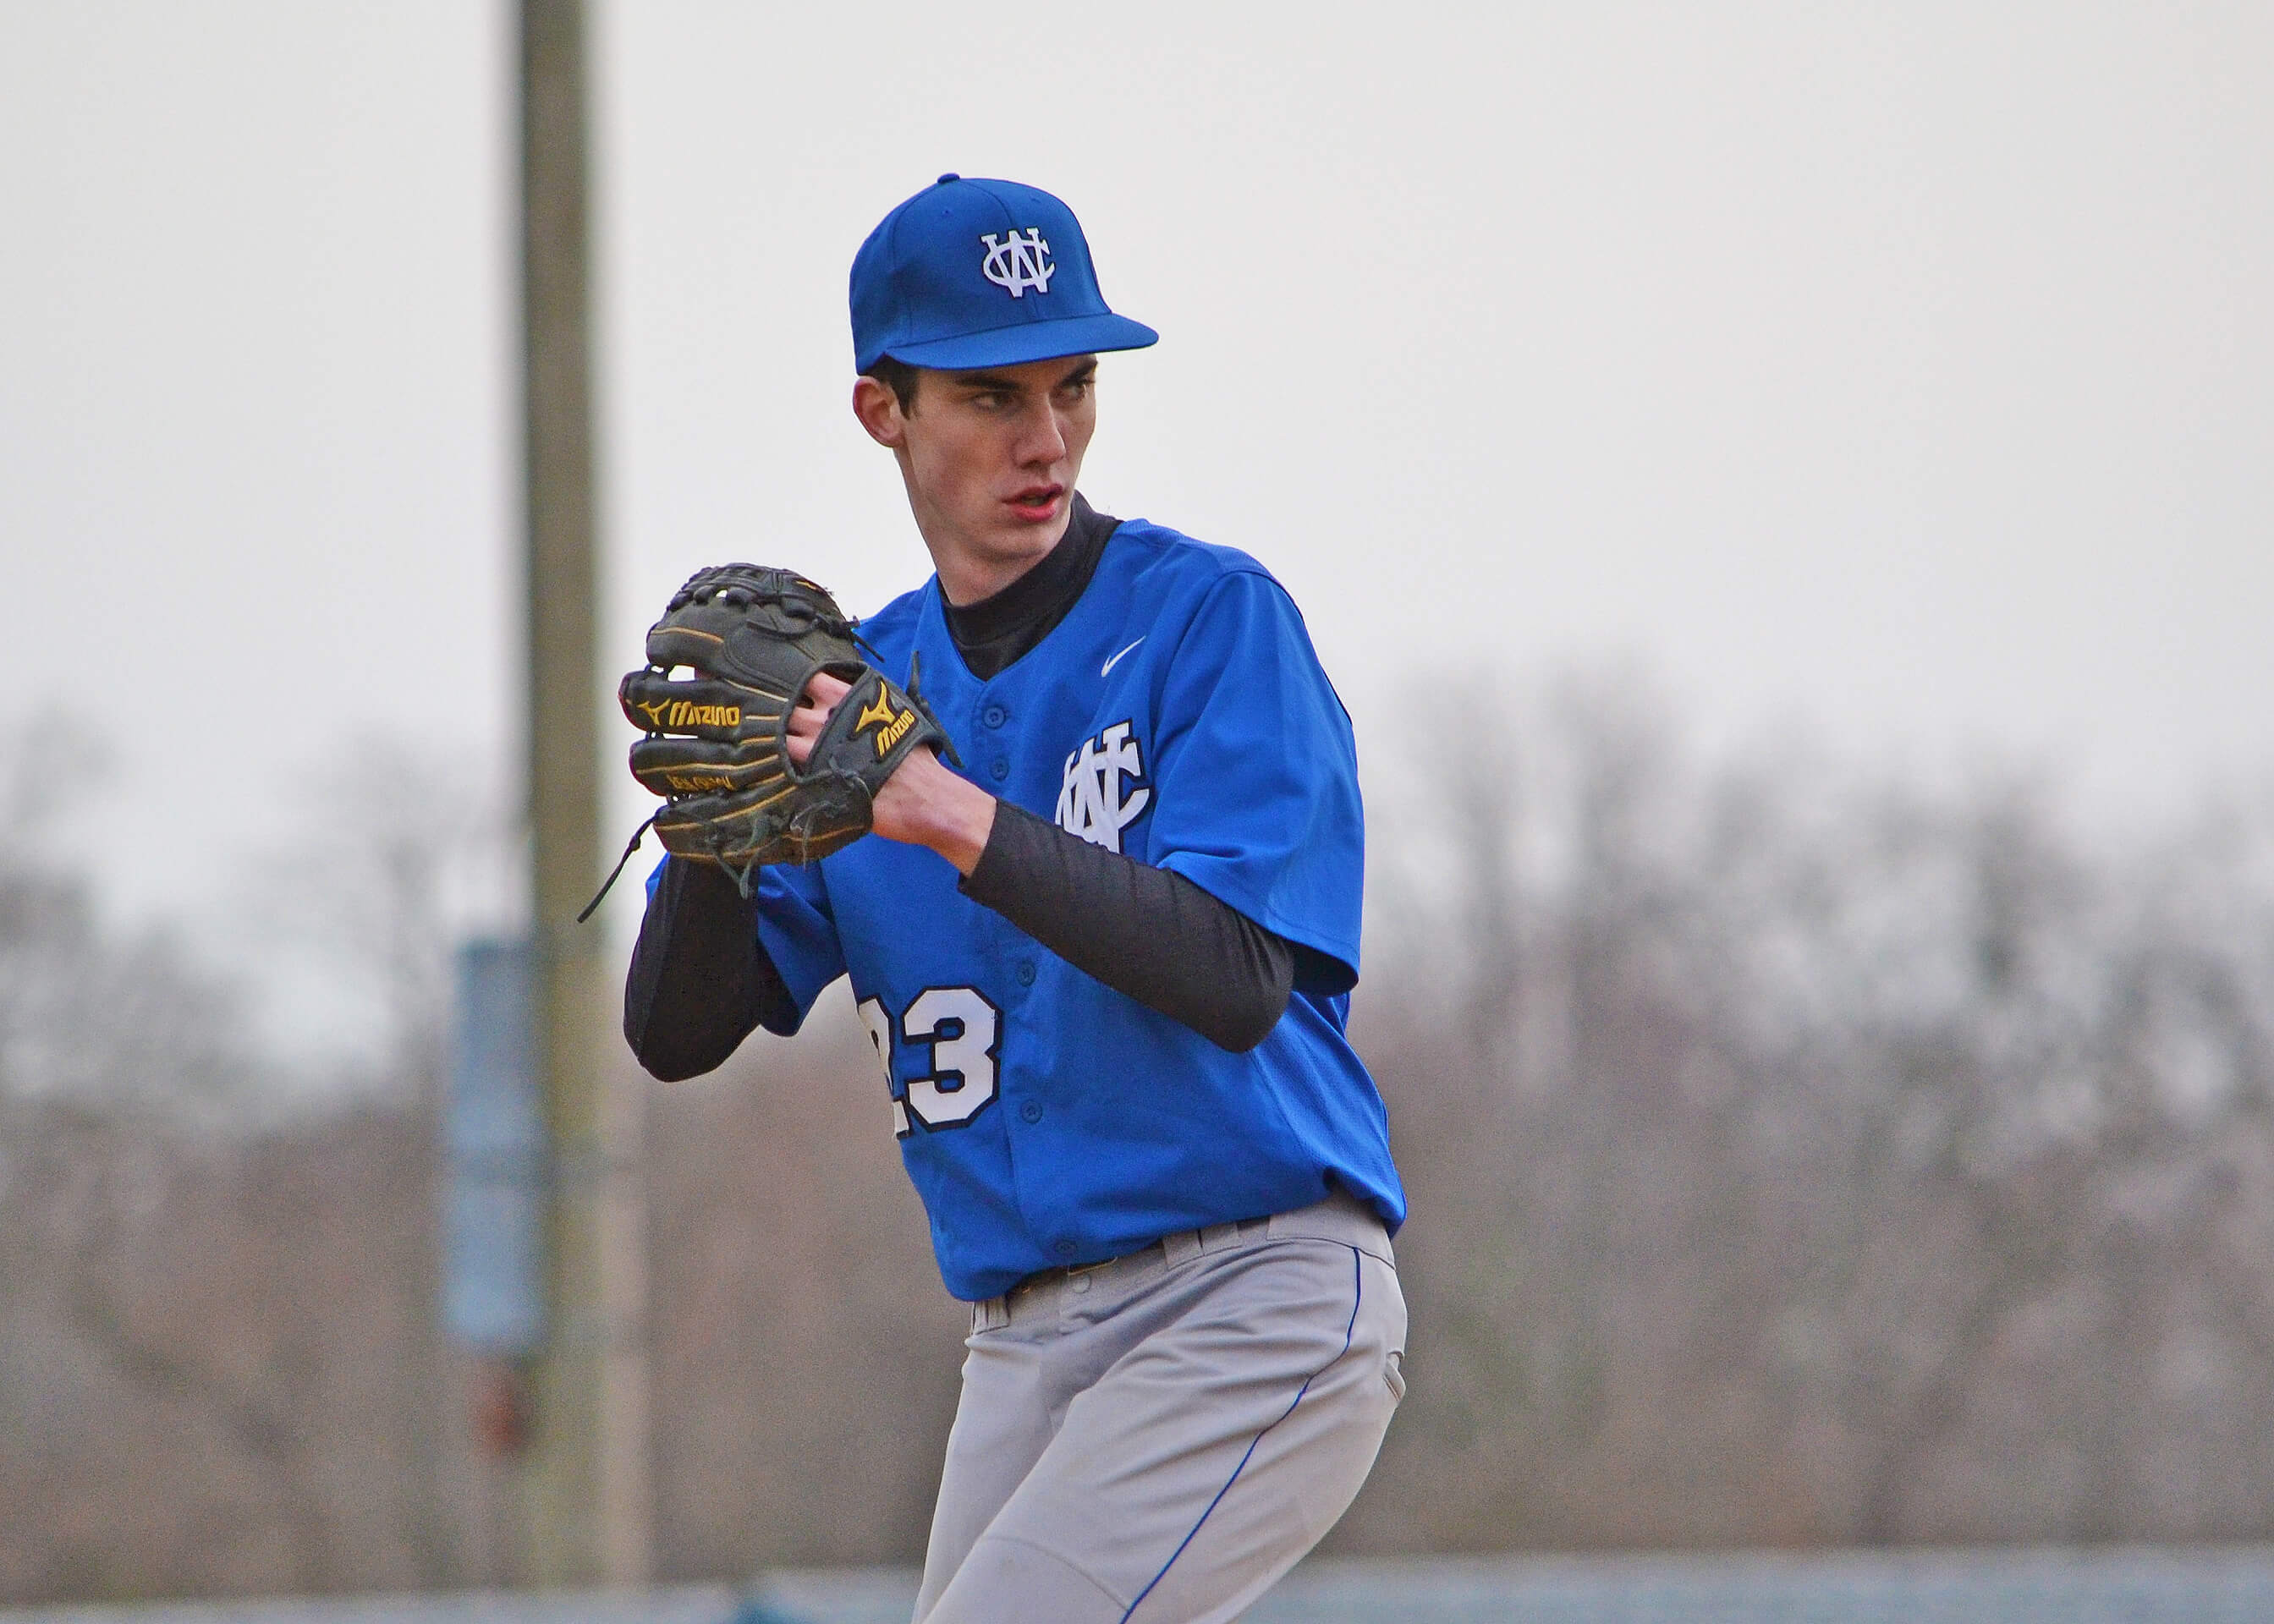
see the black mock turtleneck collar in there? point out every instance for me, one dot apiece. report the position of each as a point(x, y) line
point(994, 631)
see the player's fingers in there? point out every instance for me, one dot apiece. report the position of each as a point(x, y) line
point(798, 745)
point(824, 690)
point(811, 715)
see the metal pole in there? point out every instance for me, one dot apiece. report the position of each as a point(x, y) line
point(586, 1497)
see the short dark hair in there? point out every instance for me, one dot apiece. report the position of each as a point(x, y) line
point(901, 378)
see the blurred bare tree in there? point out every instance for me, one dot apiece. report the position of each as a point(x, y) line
point(1798, 1155)
point(218, 1366)
point(129, 1022)
point(1800, 1158)
point(402, 853)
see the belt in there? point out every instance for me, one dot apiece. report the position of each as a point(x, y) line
point(1169, 1249)
point(1340, 1218)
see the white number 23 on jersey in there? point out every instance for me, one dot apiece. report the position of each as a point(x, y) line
point(962, 1034)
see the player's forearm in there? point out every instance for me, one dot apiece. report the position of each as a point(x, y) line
point(1147, 932)
point(699, 981)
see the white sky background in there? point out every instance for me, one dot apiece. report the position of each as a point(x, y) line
point(1904, 371)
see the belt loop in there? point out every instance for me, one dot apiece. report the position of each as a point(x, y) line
point(1181, 1247)
point(991, 1315)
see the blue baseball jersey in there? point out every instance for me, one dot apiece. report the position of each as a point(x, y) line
point(1178, 714)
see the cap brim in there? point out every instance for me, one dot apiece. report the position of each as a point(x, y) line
point(1028, 341)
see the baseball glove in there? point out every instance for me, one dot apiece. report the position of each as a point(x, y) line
point(716, 744)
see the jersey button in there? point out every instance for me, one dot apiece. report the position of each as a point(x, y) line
point(1001, 768)
point(995, 716)
point(1064, 1249)
point(1026, 973)
point(1031, 1111)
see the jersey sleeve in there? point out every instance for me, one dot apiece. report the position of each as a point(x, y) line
point(798, 930)
point(1256, 780)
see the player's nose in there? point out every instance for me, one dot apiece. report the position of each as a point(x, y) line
point(1042, 435)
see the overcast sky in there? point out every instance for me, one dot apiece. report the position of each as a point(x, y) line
point(1906, 370)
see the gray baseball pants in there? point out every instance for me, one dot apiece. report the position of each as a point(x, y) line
point(1160, 1437)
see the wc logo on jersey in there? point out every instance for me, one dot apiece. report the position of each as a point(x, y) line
point(1094, 801)
point(1019, 262)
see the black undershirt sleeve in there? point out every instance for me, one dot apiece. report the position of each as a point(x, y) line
point(1147, 932)
point(699, 981)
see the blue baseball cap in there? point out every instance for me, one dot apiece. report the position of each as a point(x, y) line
point(981, 272)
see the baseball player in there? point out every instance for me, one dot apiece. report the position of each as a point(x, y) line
point(1105, 963)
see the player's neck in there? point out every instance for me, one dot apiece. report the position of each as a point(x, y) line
point(971, 572)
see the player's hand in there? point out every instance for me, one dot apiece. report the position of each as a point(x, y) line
point(922, 804)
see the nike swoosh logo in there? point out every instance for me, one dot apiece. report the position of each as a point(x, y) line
point(1106, 670)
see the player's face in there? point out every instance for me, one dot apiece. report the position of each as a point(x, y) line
point(991, 459)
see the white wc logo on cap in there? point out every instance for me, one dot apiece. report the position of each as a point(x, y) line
point(1018, 263)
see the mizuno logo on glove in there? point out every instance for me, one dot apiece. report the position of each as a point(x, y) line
point(680, 713)
point(891, 725)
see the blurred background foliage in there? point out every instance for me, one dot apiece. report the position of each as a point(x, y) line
point(1799, 1155)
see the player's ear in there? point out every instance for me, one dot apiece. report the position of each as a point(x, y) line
point(878, 408)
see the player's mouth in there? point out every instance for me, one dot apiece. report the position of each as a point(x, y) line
point(1037, 504)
